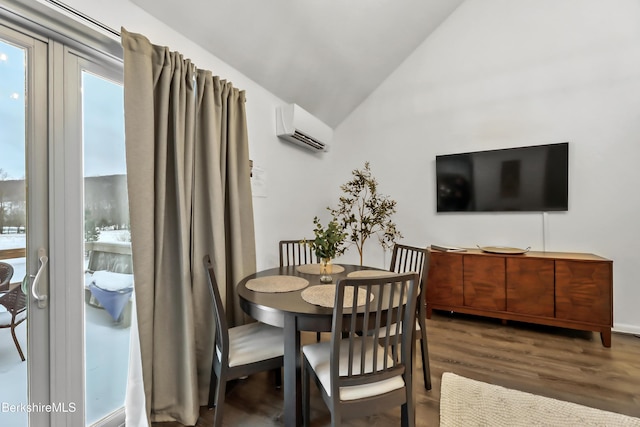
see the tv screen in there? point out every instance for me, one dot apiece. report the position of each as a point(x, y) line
point(527, 179)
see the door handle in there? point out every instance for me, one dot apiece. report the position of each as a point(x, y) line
point(35, 290)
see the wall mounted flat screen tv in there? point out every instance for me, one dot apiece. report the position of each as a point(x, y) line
point(525, 179)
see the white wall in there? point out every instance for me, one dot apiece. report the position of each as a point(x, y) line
point(294, 176)
point(504, 73)
point(497, 73)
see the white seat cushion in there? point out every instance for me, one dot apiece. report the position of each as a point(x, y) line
point(254, 342)
point(319, 354)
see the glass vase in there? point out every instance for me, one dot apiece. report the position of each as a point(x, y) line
point(326, 268)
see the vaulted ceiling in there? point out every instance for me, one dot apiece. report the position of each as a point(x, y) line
point(325, 55)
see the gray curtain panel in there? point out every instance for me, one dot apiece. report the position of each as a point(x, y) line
point(189, 195)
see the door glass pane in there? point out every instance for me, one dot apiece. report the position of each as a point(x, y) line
point(108, 267)
point(13, 370)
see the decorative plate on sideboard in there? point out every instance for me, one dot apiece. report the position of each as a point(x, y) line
point(503, 250)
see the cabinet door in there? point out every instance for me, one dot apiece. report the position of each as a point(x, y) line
point(583, 291)
point(484, 282)
point(444, 281)
point(530, 286)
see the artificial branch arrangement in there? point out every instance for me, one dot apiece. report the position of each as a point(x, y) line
point(362, 212)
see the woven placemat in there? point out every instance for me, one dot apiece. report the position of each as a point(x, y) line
point(315, 269)
point(325, 296)
point(277, 284)
point(370, 273)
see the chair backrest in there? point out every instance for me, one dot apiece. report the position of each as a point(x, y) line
point(390, 313)
point(408, 258)
point(6, 273)
point(293, 252)
point(15, 301)
point(411, 258)
point(222, 327)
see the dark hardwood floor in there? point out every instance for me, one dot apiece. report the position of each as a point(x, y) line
point(559, 363)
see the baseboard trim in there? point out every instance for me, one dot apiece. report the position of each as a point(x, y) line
point(626, 329)
point(115, 419)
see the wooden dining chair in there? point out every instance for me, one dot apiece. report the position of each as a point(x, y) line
point(413, 259)
point(356, 374)
point(239, 351)
point(6, 273)
point(15, 304)
point(293, 252)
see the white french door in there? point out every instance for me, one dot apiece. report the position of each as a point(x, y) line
point(70, 133)
point(23, 65)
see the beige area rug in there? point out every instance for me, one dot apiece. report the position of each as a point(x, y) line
point(465, 402)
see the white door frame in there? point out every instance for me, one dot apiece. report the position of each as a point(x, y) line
point(38, 366)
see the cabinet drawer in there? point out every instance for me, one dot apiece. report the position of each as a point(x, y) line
point(484, 282)
point(583, 291)
point(530, 286)
point(444, 281)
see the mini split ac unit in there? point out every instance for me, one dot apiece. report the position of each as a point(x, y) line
point(296, 125)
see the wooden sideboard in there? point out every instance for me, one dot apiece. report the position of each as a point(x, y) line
point(570, 290)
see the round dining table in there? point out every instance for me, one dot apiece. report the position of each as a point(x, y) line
point(288, 310)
